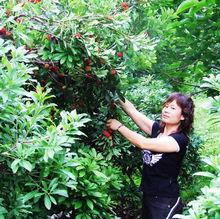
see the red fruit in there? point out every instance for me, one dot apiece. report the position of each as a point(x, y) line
point(49, 36)
point(29, 49)
point(88, 75)
point(124, 6)
point(3, 31)
point(113, 106)
point(35, 1)
point(77, 35)
point(114, 72)
point(88, 68)
point(110, 130)
point(8, 13)
point(46, 65)
point(120, 54)
point(107, 134)
point(54, 68)
point(43, 81)
point(19, 20)
point(88, 62)
point(8, 33)
point(102, 61)
point(61, 75)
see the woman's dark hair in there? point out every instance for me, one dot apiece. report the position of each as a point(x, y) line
point(185, 102)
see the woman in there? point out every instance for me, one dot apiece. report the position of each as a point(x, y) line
point(162, 153)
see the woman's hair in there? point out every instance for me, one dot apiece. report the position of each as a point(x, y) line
point(186, 104)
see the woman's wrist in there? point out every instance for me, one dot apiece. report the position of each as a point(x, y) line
point(119, 127)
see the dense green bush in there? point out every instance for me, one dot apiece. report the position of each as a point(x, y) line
point(207, 204)
point(41, 162)
point(90, 53)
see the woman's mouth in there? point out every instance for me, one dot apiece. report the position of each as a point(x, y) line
point(165, 116)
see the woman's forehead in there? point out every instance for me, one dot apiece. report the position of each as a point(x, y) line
point(172, 102)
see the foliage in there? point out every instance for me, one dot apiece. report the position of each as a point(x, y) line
point(190, 165)
point(188, 39)
point(213, 82)
point(40, 161)
point(207, 204)
point(90, 53)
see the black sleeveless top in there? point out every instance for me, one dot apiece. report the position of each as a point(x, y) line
point(160, 170)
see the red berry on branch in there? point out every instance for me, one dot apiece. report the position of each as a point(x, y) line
point(77, 35)
point(110, 130)
point(114, 72)
point(61, 75)
point(107, 134)
point(102, 61)
point(88, 68)
point(125, 6)
point(19, 20)
point(113, 105)
point(8, 33)
point(8, 13)
point(120, 54)
point(88, 62)
point(88, 75)
point(46, 65)
point(54, 69)
point(49, 36)
point(3, 31)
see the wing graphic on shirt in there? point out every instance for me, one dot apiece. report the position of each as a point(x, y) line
point(151, 159)
point(156, 158)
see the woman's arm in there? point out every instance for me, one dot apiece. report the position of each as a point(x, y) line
point(140, 119)
point(163, 144)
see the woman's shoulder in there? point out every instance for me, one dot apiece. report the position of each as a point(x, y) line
point(181, 138)
point(155, 129)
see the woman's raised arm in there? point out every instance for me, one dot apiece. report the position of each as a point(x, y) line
point(139, 118)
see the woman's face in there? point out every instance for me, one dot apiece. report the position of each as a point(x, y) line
point(172, 113)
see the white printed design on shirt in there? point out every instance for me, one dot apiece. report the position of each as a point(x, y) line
point(151, 159)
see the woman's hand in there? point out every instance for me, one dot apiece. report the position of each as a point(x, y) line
point(113, 124)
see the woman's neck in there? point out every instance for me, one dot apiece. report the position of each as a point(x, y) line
point(169, 129)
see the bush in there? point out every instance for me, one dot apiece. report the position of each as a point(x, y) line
point(42, 166)
point(207, 204)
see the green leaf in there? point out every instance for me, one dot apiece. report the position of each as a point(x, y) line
point(27, 165)
point(97, 194)
point(207, 174)
point(53, 199)
point(99, 174)
point(29, 196)
point(63, 60)
point(79, 216)
point(186, 5)
point(61, 192)
point(78, 204)
point(14, 165)
point(47, 202)
point(69, 174)
point(90, 204)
